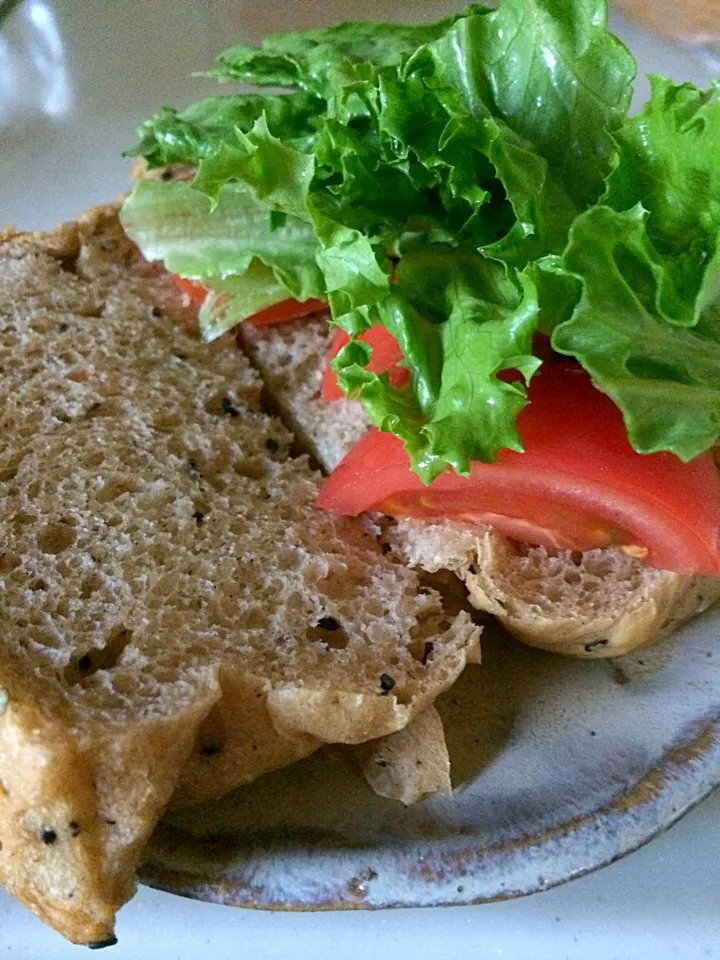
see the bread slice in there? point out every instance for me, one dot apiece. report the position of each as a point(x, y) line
point(291, 359)
point(598, 604)
point(414, 763)
point(595, 604)
point(176, 617)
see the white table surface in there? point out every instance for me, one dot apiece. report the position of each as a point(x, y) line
point(99, 67)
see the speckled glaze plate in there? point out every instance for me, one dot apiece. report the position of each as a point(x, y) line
point(559, 766)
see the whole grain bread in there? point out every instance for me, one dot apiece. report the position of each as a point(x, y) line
point(291, 360)
point(598, 604)
point(176, 617)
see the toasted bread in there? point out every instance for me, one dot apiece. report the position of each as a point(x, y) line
point(177, 618)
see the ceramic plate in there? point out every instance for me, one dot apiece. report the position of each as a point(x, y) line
point(559, 766)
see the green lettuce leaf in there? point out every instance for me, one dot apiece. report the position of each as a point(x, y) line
point(457, 409)
point(526, 96)
point(235, 298)
point(191, 135)
point(278, 176)
point(465, 184)
point(669, 160)
point(320, 61)
point(648, 324)
point(233, 249)
point(552, 72)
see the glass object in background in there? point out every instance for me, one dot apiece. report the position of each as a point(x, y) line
point(33, 68)
point(692, 22)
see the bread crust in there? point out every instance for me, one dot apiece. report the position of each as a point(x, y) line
point(600, 605)
point(410, 765)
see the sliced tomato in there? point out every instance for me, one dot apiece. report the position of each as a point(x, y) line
point(386, 354)
point(287, 311)
point(578, 485)
point(196, 291)
point(283, 312)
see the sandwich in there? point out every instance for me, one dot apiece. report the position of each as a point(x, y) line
point(250, 418)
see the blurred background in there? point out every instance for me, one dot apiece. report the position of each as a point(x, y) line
point(74, 76)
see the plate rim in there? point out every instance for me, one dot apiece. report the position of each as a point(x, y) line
point(465, 875)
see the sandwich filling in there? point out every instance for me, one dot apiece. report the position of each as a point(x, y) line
point(525, 280)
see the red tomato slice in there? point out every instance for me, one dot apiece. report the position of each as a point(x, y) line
point(196, 291)
point(579, 484)
point(286, 311)
point(279, 313)
point(386, 354)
